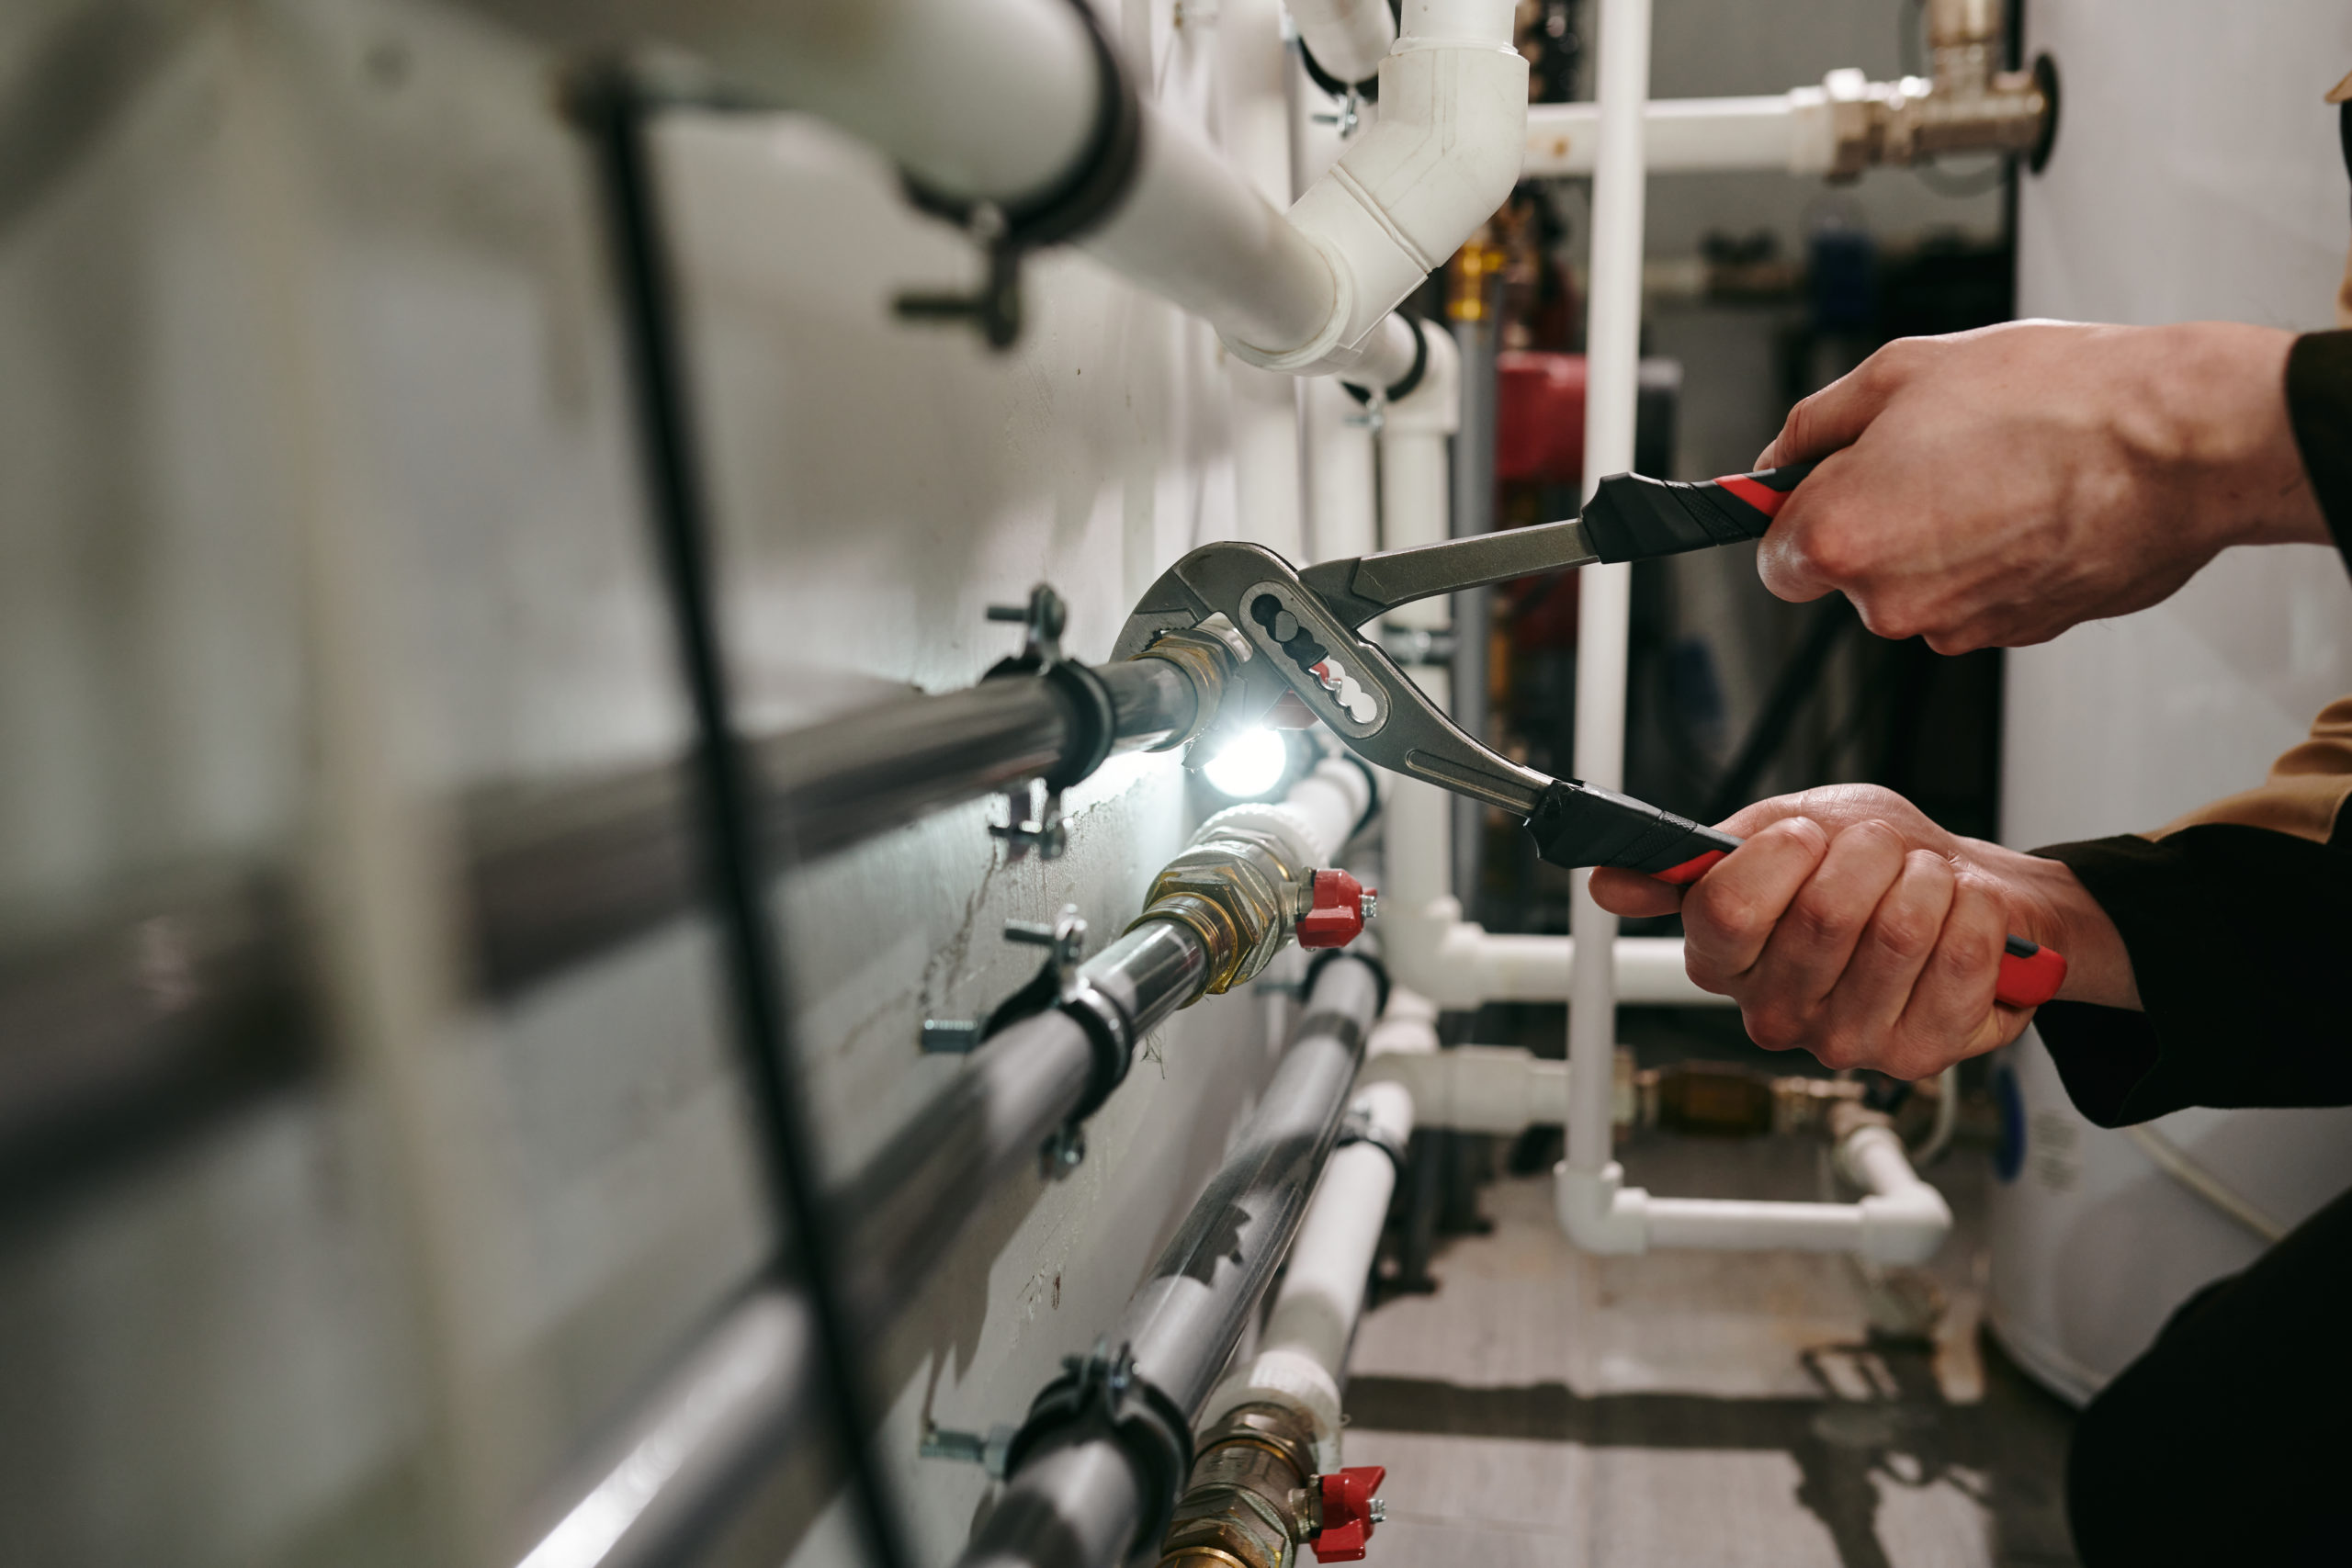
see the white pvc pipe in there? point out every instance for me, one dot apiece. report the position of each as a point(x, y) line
point(1901, 1220)
point(1440, 158)
point(1342, 510)
point(1305, 1346)
point(1254, 129)
point(1613, 361)
point(1461, 965)
point(1478, 1089)
point(1789, 131)
point(1347, 38)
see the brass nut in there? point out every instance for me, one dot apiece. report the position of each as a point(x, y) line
point(1236, 891)
point(1209, 663)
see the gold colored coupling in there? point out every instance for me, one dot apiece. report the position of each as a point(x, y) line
point(1209, 663)
point(1233, 887)
point(1252, 1498)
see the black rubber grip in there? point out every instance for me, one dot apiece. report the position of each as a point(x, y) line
point(1579, 824)
point(1631, 517)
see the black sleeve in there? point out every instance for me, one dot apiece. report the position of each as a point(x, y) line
point(2241, 939)
point(2319, 403)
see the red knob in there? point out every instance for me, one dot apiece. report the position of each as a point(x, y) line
point(1338, 914)
point(1349, 1513)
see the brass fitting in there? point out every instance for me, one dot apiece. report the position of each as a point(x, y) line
point(1968, 106)
point(1236, 888)
point(1209, 663)
point(1253, 1497)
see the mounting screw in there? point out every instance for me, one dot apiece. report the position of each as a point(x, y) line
point(1349, 117)
point(1044, 616)
point(1066, 938)
point(1033, 821)
point(1063, 1152)
point(1369, 906)
point(1378, 1511)
point(989, 1449)
point(950, 1037)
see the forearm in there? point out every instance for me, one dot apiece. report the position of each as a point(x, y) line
point(2216, 419)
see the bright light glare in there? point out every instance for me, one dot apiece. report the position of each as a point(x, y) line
point(1249, 764)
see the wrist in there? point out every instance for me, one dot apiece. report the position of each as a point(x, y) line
point(2048, 904)
point(2218, 424)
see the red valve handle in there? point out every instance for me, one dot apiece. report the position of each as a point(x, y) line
point(1349, 1513)
point(1337, 915)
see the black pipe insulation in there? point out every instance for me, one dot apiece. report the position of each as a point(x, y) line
point(750, 1379)
point(1106, 1449)
point(188, 1000)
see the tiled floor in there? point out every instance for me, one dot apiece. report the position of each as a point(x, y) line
point(1719, 1409)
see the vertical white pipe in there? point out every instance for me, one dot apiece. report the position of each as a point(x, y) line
point(1612, 351)
point(1254, 129)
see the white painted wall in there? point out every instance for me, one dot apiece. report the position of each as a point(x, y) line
point(2196, 176)
point(332, 271)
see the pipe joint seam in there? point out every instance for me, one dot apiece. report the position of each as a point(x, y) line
point(1308, 358)
point(1089, 191)
point(1360, 1126)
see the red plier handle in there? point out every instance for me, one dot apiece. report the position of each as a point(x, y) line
point(1578, 824)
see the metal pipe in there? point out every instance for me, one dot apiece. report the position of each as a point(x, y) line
point(742, 1399)
point(555, 877)
point(1084, 1490)
point(188, 1000)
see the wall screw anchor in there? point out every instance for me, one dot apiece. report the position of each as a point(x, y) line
point(1034, 821)
point(1349, 117)
point(1065, 939)
point(1063, 1152)
point(950, 1037)
point(1044, 617)
point(988, 1450)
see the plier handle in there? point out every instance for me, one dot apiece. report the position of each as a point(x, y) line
point(1302, 627)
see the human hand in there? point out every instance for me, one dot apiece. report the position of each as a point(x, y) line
point(1853, 926)
point(1996, 487)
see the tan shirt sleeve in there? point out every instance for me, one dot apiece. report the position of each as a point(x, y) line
point(2306, 789)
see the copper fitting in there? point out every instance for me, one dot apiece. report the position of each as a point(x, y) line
point(1235, 889)
point(1467, 291)
point(1252, 1498)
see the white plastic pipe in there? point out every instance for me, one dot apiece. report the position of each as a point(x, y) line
point(1440, 157)
point(1315, 820)
point(1902, 1219)
point(1343, 508)
point(1255, 128)
point(1790, 132)
point(1478, 1088)
point(1459, 964)
point(1304, 1347)
point(1416, 496)
point(1348, 38)
point(1613, 364)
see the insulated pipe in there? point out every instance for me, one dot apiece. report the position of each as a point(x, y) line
point(1303, 1352)
point(741, 1399)
point(1090, 1481)
point(1348, 39)
point(1612, 365)
point(555, 878)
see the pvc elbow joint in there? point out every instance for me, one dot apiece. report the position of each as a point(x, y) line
point(1442, 157)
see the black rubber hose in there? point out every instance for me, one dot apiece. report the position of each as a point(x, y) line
point(617, 116)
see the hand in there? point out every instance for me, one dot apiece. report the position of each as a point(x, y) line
point(1996, 487)
point(1853, 926)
